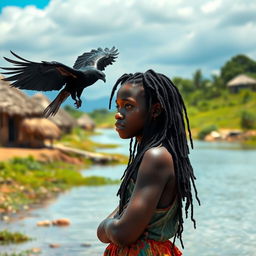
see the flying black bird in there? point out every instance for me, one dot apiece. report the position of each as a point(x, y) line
point(48, 76)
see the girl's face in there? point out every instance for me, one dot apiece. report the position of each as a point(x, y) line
point(131, 111)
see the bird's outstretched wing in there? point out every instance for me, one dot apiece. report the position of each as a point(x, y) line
point(44, 76)
point(96, 58)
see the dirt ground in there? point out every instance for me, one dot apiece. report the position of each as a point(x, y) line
point(42, 154)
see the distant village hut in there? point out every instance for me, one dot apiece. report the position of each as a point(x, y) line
point(14, 107)
point(86, 122)
point(35, 132)
point(62, 119)
point(241, 82)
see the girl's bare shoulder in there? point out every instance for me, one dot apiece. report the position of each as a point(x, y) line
point(159, 158)
point(159, 154)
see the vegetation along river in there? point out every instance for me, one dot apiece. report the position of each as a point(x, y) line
point(225, 221)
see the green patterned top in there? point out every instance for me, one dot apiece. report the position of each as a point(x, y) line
point(164, 222)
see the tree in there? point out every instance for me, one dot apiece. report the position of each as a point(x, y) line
point(217, 82)
point(184, 85)
point(198, 79)
point(237, 65)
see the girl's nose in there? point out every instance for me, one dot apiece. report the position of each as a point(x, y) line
point(118, 115)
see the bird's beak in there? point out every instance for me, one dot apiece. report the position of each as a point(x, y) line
point(103, 79)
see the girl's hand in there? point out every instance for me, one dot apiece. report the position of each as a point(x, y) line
point(101, 228)
point(101, 233)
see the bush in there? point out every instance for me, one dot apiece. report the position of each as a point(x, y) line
point(247, 96)
point(195, 97)
point(247, 120)
point(231, 103)
point(28, 163)
point(206, 130)
point(203, 105)
point(215, 106)
point(7, 237)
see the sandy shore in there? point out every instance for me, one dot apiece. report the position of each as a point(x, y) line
point(42, 154)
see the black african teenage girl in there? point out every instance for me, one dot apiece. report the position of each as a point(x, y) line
point(159, 177)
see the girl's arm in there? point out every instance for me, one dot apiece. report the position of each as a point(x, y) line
point(101, 228)
point(155, 170)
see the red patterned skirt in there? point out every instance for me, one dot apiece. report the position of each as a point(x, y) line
point(143, 248)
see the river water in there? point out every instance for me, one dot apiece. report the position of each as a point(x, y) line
point(226, 222)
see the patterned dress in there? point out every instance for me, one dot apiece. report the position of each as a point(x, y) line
point(154, 241)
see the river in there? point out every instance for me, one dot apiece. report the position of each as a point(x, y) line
point(226, 222)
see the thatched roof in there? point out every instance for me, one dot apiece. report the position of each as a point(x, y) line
point(62, 118)
point(14, 102)
point(40, 127)
point(86, 122)
point(241, 80)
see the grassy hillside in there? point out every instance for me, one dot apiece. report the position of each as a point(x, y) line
point(103, 118)
point(223, 112)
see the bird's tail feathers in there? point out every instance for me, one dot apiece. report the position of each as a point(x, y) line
point(53, 108)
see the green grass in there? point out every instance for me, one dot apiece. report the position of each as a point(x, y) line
point(80, 138)
point(7, 237)
point(29, 181)
point(103, 118)
point(224, 112)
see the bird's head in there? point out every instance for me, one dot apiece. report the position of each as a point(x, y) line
point(101, 76)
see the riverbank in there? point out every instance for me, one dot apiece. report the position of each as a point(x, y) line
point(30, 176)
point(40, 154)
point(247, 139)
point(26, 182)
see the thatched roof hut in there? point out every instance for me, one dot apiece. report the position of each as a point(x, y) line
point(241, 82)
point(62, 119)
point(35, 131)
point(15, 102)
point(14, 107)
point(86, 122)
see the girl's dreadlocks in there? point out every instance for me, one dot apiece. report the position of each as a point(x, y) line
point(168, 129)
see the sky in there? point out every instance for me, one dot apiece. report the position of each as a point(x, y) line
point(172, 37)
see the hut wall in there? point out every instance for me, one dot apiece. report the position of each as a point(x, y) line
point(237, 88)
point(13, 127)
point(9, 129)
point(4, 131)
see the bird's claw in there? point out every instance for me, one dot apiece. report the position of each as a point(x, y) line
point(78, 103)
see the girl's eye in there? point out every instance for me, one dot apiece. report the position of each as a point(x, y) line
point(128, 106)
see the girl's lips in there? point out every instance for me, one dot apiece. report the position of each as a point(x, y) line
point(119, 126)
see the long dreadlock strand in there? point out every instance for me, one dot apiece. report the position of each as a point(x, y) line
point(185, 111)
point(130, 150)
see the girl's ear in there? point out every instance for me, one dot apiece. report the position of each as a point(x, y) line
point(156, 110)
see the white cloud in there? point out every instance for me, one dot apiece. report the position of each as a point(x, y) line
point(172, 37)
point(211, 6)
point(186, 11)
